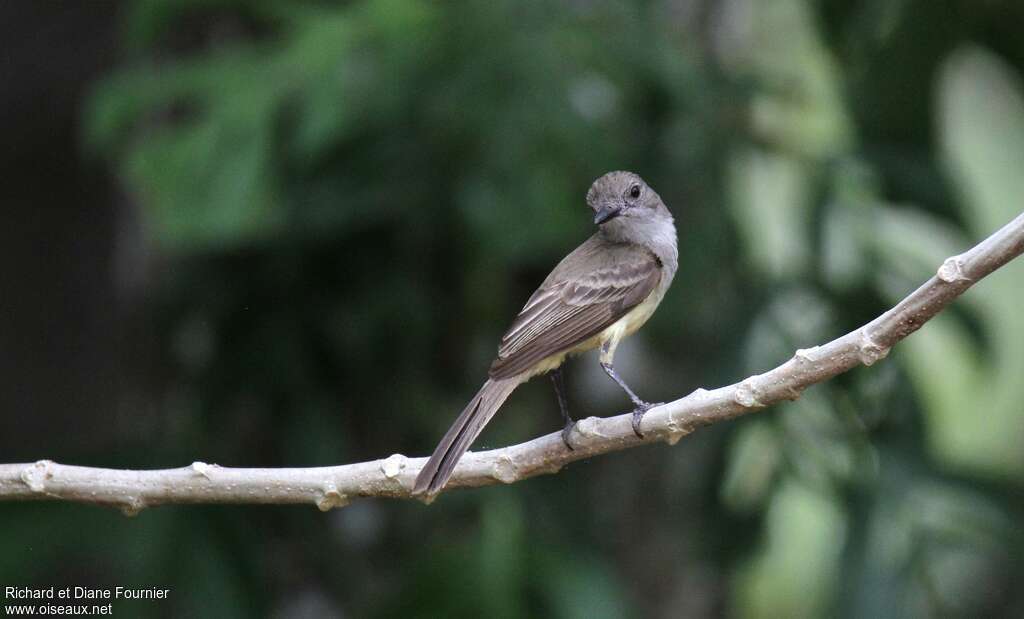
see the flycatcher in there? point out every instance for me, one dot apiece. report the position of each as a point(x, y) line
point(600, 293)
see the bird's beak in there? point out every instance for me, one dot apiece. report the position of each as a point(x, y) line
point(607, 213)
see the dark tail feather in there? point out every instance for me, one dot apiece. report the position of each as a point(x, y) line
point(461, 435)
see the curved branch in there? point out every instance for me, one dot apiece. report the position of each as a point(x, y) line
point(392, 477)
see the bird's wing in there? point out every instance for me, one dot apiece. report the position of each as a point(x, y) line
point(566, 311)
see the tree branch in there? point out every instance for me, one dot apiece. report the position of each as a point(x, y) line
point(392, 477)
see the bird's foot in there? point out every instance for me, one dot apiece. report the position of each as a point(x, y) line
point(638, 415)
point(570, 425)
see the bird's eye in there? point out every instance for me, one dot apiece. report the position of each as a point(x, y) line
point(634, 191)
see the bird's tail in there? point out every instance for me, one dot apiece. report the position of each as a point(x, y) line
point(461, 435)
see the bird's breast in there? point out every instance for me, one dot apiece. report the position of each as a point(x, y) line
point(633, 320)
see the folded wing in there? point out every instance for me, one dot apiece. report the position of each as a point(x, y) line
point(566, 311)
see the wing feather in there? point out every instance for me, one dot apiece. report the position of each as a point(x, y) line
point(565, 311)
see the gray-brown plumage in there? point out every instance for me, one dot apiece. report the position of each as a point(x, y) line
point(600, 293)
point(568, 309)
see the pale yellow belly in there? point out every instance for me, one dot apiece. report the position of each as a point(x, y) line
point(613, 334)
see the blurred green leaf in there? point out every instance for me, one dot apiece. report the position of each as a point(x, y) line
point(799, 106)
point(753, 465)
point(973, 399)
point(793, 575)
point(981, 132)
point(769, 201)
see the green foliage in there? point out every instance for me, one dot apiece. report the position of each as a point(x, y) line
point(244, 143)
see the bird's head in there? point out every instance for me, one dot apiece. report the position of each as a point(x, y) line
point(619, 197)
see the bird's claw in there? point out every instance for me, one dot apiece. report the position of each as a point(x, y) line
point(638, 415)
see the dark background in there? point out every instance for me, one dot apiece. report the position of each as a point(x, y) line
point(291, 234)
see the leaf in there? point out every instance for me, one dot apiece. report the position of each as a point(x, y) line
point(769, 194)
point(794, 574)
point(981, 133)
point(973, 399)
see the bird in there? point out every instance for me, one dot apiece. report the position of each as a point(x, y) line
point(602, 292)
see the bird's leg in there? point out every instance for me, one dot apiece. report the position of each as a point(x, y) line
point(556, 379)
point(641, 407)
